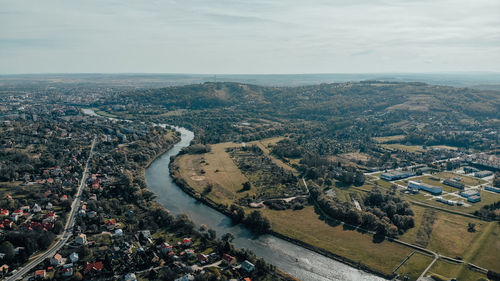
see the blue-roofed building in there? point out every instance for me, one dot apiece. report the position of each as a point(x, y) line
point(491, 188)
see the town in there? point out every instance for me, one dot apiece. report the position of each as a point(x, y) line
point(74, 204)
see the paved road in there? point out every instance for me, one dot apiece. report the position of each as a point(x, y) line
point(68, 228)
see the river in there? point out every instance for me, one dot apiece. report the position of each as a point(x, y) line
point(295, 260)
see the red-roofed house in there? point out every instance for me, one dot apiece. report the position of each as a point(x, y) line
point(202, 258)
point(228, 259)
point(56, 260)
point(40, 274)
point(187, 242)
point(93, 267)
point(110, 224)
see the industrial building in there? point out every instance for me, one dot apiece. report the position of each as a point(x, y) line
point(396, 175)
point(436, 190)
point(469, 170)
point(483, 174)
point(474, 199)
point(454, 183)
point(445, 201)
point(491, 188)
point(470, 193)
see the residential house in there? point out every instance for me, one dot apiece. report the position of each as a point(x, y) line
point(228, 259)
point(4, 269)
point(130, 277)
point(202, 258)
point(57, 260)
point(166, 248)
point(118, 232)
point(36, 208)
point(93, 267)
point(73, 257)
point(247, 266)
point(81, 239)
point(92, 214)
point(187, 277)
point(4, 212)
point(186, 242)
point(67, 270)
point(110, 224)
point(40, 274)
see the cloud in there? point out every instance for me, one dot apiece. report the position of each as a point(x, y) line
point(362, 53)
point(240, 36)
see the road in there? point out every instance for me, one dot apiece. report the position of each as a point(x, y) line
point(68, 228)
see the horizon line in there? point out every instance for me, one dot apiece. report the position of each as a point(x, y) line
point(241, 74)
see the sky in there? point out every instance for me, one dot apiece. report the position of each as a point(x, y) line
point(249, 37)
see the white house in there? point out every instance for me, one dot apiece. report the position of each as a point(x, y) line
point(73, 257)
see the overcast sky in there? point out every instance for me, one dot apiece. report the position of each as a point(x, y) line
point(255, 36)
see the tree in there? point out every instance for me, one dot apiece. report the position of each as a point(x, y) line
point(237, 213)
point(8, 249)
point(77, 276)
point(228, 237)
point(212, 234)
point(58, 227)
point(246, 186)
point(496, 180)
point(359, 178)
point(207, 189)
point(258, 223)
point(471, 227)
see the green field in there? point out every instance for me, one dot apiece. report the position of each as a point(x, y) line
point(415, 265)
point(219, 170)
point(389, 138)
point(449, 234)
point(485, 251)
point(451, 270)
point(305, 225)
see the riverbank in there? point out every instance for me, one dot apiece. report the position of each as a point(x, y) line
point(157, 218)
point(295, 260)
point(179, 180)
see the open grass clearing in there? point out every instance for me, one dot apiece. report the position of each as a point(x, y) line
point(307, 226)
point(219, 171)
point(451, 270)
point(485, 251)
point(389, 138)
point(449, 236)
point(415, 265)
